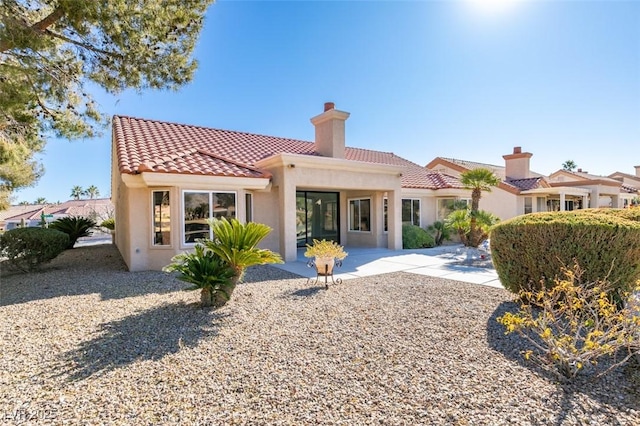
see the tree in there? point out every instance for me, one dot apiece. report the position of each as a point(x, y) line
point(50, 51)
point(41, 200)
point(569, 165)
point(77, 192)
point(477, 180)
point(92, 192)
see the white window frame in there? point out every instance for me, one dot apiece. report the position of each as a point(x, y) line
point(182, 210)
point(349, 200)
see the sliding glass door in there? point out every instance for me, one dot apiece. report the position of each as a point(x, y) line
point(317, 216)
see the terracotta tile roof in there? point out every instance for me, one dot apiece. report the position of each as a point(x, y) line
point(155, 146)
point(630, 189)
point(528, 183)
point(474, 165)
point(99, 206)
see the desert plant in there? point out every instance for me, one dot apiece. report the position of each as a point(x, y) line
point(233, 248)
point(440, 231)
point(109, 224)
point(460, 221)
point(477, 180)
point(237, 244)
point(28, 248)
point(529, 250)
point(575, 323)
point(325, 249)
point(75, 227)
point(414, 237)
point(206, 271)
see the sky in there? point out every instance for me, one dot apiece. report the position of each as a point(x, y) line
point(466, 79)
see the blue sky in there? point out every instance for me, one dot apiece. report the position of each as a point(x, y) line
point(421, 79)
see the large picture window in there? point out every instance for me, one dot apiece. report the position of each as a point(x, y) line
point(446, 206)
point(161, 218)
point(360, 215)
point(202, 205)
point(411, 212)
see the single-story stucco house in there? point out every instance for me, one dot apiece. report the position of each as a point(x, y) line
point(168, 178)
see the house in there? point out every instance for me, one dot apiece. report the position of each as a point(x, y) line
point(631, 184)
point(603, 191)
point(168, 178)
point(32, 214)
point(520, 191)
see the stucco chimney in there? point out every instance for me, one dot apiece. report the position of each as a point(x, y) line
point(637, 170)
point(329, 126)
point(517, 164)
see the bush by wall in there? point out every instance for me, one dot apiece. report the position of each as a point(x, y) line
point(529, 250)
point(414, 237)
point(28, 248)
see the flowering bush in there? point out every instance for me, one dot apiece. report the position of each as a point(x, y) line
point(573, 324)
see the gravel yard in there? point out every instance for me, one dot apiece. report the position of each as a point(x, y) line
point(85, 342)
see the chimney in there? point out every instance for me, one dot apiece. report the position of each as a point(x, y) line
point(517, 164)
point(637, 170)
point(330, 131)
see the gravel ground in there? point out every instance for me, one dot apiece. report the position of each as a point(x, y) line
point(85, 342)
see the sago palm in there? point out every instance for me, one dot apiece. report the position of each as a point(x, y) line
point(237, 244)
point(206, 271)
point(75, 227)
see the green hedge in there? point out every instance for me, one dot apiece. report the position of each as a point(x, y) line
point(533, 248)
point(414, 237)
point(28, 248)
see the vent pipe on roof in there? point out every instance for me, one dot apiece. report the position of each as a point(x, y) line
point(330, 134)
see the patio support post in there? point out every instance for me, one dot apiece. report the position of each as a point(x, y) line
point(287, 195)
point(562, 202)
point(615, 201)
point(395, 220)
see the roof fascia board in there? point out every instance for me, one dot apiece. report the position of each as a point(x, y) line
point(144, 180)
point(325, 163)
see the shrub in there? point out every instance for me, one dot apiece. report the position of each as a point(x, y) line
point(414, 237)
point(109, 224)
point(528, 250)
point(74, 227)
point(28, 248)
point(574, 324)
point(440, 231)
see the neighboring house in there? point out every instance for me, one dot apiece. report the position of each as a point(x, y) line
point(31, 214)
point(520, 191)
point(603, 191)
point(524, 191)
point(167, 179)
point(631, 183)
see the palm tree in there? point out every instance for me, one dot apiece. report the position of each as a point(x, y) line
point(92, 192)
point(77, 192)
point(477, 180)
point(569, 165)
point(41, 200)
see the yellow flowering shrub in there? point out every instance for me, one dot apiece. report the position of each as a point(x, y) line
point(573, 324)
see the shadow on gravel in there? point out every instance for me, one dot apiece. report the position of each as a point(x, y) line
point(148, 335)
point(86, 270)
point(619, 390)
point(305, 292)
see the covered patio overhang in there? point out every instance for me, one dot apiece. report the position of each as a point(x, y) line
point(295, 172)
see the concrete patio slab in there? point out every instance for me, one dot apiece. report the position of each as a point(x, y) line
point(443, 262)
